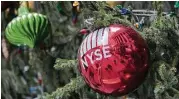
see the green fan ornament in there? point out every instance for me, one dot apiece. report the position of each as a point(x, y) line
point(27, 29)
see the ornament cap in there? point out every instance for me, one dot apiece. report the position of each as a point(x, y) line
point(84, 31)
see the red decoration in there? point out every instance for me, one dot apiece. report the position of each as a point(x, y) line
point(84, 31)
point(114, 60)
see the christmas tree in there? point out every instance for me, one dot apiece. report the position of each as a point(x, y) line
point(50, 70)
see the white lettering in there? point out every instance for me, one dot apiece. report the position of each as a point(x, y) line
point(97, 53)
point(106, 52)
point(90, 57)
point(84, 62)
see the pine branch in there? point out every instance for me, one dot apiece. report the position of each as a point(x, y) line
point(158, 5)
point(75, 84)
point(175, 60)
point(175, 90)
point(165, 79)
point(176, 96)
point(104, 17)
point(62, 64)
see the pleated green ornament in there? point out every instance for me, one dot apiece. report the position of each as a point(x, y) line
point(27, 29)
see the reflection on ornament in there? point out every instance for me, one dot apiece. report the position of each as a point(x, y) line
point(113, 60)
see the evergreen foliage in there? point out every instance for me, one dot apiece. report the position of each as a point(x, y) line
point(58, 64)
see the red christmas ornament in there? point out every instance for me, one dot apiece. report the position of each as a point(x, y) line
point(114, 60)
